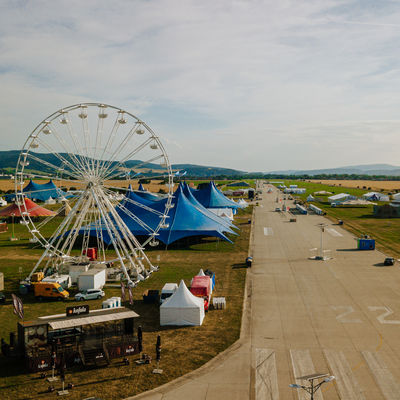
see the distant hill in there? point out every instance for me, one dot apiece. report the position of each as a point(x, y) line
point(8, 161)
point(369, 169)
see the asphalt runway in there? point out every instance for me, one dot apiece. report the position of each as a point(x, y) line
point(302, 316)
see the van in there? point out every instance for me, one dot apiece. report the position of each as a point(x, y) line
point(49, 290)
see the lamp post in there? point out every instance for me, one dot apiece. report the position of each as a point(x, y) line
point(322, 226)
point(313, 386)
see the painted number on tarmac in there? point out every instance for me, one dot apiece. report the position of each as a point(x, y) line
point(343, 317)
point(386, 312)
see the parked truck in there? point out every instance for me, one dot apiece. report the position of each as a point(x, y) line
point(201, 287)
point(49, 290)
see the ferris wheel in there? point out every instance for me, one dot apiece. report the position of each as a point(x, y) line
point(92, 156)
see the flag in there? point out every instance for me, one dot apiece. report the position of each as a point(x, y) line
point(123, 291)
point(130, 296)
point(18, 306)
point(184, 173)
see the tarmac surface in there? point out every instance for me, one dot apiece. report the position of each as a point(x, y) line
point(302, 316)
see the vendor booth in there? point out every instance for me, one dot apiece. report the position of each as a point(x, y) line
point(80, 336)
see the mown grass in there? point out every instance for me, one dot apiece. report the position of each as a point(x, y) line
point(183, 349)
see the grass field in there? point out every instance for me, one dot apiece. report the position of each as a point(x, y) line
point(183, 349)
point(358, 220)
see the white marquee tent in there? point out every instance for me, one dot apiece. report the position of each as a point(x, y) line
point(182, 308)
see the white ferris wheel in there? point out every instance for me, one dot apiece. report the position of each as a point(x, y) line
point(97, 153)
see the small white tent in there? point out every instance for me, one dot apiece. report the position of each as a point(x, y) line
point(182, 308)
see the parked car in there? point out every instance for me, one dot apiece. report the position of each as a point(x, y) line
point(277, 209)
point(90, 294)
point(389, 261)
point(2, 298)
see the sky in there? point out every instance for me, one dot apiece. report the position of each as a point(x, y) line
point(251, 85)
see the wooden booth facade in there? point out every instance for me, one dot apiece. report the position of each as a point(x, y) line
point(78, 337)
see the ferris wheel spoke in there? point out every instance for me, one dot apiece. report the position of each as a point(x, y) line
point(52, 166)
point(114, 235)
point(110, 139)
point(63, 160)
point(109, 171)
point(141, 164)
point(71, 219)
point(121, 146)
point(141, 205)
point(80, 154)
point(128, 236)
point(75, 230)
point(59, 138)
point(56, 234)
point(72, 153)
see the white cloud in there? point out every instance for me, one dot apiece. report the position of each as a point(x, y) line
point(288, 84)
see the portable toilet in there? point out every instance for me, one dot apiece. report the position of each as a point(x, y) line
point(116, 300)
point(365, 244)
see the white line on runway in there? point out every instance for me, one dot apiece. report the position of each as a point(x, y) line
point(333, 232)
point(383, 377)
point(303, 365)
point(268, 231)
point(345, 380)
point(266, 375)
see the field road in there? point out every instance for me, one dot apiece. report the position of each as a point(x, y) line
point(340, 316)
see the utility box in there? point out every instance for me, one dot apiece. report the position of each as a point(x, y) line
point(365, 244)
point(92, 279)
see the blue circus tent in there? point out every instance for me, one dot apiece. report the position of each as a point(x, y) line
point(41, 191)
point(142, 192)
point(211, 197)
point(188, 193)
point(184, 220)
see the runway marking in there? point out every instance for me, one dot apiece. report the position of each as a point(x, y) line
point(303, 365)
point(386, 313)
point(266, 384)
point(383, 377)
point(333, 232)
point(345, 380)
point(347, 310)
point(268, 231)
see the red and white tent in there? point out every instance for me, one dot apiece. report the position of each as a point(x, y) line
point(32, 208)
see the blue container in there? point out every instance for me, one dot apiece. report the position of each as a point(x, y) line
point(366, 244)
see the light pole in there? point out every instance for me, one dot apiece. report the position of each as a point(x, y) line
point(314, 386)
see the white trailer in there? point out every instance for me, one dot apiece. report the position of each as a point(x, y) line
point(316, 209)
point(92, 279)
point(74, 270)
